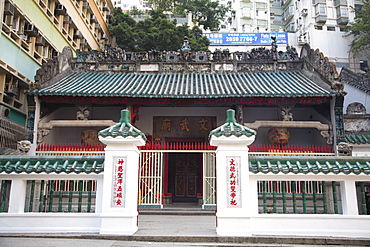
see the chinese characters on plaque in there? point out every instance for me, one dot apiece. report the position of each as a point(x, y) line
point(119, 176)
point(233, 182)
point(188, 126)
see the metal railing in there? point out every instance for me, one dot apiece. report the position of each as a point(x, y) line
point(68, 196)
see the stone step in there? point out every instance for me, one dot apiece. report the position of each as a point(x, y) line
point(178, 209)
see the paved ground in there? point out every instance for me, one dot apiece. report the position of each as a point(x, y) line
point(170, 231)
point(70, 242)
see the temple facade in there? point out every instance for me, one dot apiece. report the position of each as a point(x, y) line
point(177, 98)
point(282, 151)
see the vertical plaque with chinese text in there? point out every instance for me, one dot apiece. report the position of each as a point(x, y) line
point(119, 181)
point(233, 182)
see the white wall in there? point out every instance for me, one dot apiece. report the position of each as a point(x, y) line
point(356, 95)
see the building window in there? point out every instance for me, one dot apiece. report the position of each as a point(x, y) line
point(342, 11)
point(330, 28)
point(320, 9)
point(318, 27)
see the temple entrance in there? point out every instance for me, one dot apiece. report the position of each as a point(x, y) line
point(185, 177)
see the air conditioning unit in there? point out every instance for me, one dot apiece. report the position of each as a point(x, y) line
point(105, 8)
point(8, 8)
point(304, 12)
point(4, 111)
point(60, 10)
point(67, 20)
point(8, 19)
point(54, 54)
point(40, 41)
point(31, 30)
point(93, 20)
point(12, 90)
point(85, 5)
point(21, 30)
point(77, 35)
point(98, 27)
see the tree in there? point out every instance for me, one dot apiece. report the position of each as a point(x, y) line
point(154, 33)
point(135, 11)
point(162, 5)
point(208, 13)
point(360, 30)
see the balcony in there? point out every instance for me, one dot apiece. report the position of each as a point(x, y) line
point(314, 2)
point(320, 19)
point(342, 21)
point(246, 16)
point(262, 6)
point(262, 23)
point(340, 2)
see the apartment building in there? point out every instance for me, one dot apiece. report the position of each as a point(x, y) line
point(320, 23)
point(33, 32)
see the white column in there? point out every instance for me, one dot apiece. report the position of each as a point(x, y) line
point(349, 197)
point(119, 214)
point(234, 206)
point(233, 215)
point(17, 196)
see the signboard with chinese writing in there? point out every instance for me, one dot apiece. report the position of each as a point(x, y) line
point(175, 126)
point(233, 182)
point(119, 181)
point(246, 38)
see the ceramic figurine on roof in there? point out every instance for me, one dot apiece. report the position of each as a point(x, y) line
point(186, 46)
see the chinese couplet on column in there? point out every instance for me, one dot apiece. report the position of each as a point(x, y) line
point(119, 181)
point(233, 182)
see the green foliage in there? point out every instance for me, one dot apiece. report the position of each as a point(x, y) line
point(162, 5)
point(154, 33)
point(135, 11)
point(205, 12)
point(360, 30)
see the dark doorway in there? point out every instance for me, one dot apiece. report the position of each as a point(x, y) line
point(184, 176)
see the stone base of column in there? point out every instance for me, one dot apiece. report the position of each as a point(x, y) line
point(118, 225)
point(234, 226)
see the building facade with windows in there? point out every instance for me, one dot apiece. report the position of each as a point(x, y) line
point(34, 32)
point(321, 24)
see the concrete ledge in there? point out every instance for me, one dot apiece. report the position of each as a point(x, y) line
point(210, 239)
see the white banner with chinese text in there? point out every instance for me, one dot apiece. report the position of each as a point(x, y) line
point(119, 181)
point(233, 182)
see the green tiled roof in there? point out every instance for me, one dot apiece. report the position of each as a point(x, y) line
point(232, 128)
point(50, 164)
point(124, 128)
point(357, 139)
point(257, 164)
point(316, 165)
point(189, 85)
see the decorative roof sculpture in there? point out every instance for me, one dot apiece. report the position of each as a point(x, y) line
point(232, 128)
point(122, 129)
